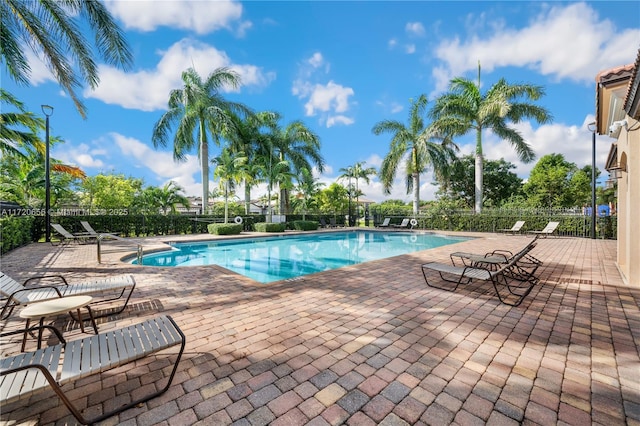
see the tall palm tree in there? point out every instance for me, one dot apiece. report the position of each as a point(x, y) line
point(230, 170)
point(425, 149)
point(361, 172)
point(465, 108)
point(53, 30)
point(297, 145)
point(247, 137)
point(200, 113)
point(272, 169)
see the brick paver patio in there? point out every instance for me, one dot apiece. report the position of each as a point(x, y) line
point(365, 344)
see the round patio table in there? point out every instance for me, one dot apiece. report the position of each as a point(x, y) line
point(48, 308)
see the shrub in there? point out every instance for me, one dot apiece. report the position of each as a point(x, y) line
point(270, 227)
point(16, 232)
point(224, 228)
point(304, 225)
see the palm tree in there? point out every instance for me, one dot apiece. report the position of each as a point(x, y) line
point(18, 129)
point(308, 187)
point(360, 172)
point(296, 145)
point(272, 169)
point(464, 108)
point(170, 196)
point(198, 110)
point(421, 145)
point(53, 31)
point(22, 178)
point(230, 170)
point(247, 137)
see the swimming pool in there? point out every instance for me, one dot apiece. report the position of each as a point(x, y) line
point(267, 259)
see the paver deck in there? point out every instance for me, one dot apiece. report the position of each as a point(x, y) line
point(366, 344)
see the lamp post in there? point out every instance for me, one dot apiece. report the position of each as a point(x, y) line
point(47, 111)
point(592, 128)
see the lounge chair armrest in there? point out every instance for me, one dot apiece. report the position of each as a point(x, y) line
point(36, 288)
point(506, 253)
point(35, 327)
point(40, 277)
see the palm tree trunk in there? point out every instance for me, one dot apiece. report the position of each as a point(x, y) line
point(479, 171)
point(204, 161)
point(247, 198)
point(416, 193)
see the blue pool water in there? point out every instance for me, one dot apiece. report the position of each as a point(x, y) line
point(268, 259)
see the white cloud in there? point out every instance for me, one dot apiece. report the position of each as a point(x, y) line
point(329, 97)
point(392, 43)
point(330, 100)
point(162, 164)
point(82, 156)
point(39, 71)
point(316, 60)
point(148, 90)
point(203, 16)
point(339, 119)
point(415, 29)
point(560, 32)
point(410, 49)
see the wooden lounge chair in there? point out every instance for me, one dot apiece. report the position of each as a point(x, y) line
point(68, 236)
point(28, 373)
point(518, 289)
point(547, 230)
point(385, 223)
point(514, 229)
point(110, 289)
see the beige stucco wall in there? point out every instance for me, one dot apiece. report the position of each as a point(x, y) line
point(629, 203)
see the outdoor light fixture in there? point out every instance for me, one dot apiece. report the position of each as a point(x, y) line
point(47, 111)
point(592, 128)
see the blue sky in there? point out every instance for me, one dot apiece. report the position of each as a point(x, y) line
point(340, 67)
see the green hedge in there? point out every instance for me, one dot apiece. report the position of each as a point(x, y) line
point(16, 232)
point(224, 228)
point(270, 227)
point(304, 225)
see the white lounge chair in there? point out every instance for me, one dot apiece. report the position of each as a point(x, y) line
point(404, 224)
point(547, 230)
point(108, 290)
point(68, 236)
point(92, 232)
point(514, 229)
point(28, 373)
point(385, 223)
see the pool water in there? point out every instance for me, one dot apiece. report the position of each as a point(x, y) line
point(268, 259)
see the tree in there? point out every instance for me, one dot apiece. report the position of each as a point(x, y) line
point(22, 178)
point(230, 170)
point(170, 196)
point(112, 191)
point(248, 137)
point(333, 199)
point(18, 129)
point(464, 109)
point(549, 183)
point(500, 183)
point(296, 145)
point(361, 172)
point(198, 111)
point(52, 30)
point(425, 147)
point(307, 189)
